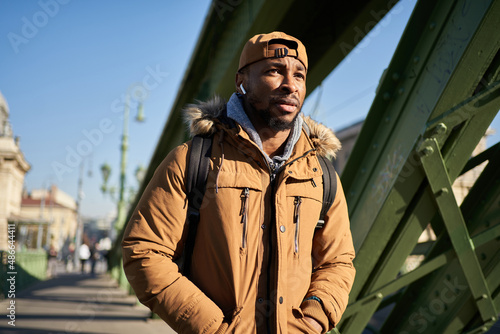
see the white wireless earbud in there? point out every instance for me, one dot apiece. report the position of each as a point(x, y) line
point(242, 89)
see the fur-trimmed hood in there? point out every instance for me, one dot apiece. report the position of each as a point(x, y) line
point(202, 117)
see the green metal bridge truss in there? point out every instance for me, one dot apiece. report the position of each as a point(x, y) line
point(434, 103)
point(437, 99)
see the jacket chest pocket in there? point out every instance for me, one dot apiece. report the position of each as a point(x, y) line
point(233, 204)
point(304, 200)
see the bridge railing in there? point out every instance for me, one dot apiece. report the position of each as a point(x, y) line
point(21, 269)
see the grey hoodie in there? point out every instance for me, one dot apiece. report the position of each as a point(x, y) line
point(236, 112)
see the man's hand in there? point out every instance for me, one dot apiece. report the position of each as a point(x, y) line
point(314, 324)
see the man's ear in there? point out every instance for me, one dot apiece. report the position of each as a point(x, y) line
point(239, 80)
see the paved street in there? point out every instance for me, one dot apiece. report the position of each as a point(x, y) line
point(86, 304)
point(79, 303)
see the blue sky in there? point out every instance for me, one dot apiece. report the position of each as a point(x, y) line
point(64, 74)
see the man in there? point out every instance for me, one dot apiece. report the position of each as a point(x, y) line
point(258, 265)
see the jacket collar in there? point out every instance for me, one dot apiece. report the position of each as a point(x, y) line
point(204, 117)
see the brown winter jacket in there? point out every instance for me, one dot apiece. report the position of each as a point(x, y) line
point(257, 254)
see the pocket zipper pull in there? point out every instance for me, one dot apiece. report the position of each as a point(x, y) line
point(244, 213)
point(297, 202)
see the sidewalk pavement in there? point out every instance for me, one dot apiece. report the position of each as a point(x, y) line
point(79, 303)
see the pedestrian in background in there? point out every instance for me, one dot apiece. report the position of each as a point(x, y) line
point(52, 261)
point(84, 254)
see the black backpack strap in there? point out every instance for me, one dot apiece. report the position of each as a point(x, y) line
point(196, 180)
point(329, 187)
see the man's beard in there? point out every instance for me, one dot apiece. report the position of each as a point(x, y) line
point(274, 123)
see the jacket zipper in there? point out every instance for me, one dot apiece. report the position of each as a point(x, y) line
point(296, 220)
point(273, 172)
point(244, 215)
point(272, 180)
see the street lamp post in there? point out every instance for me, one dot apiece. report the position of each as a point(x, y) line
point(79, 223)
point(139, 94)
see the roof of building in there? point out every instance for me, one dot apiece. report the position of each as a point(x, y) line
point(37, 202)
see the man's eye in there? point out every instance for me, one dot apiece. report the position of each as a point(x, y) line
point(273, 70)
point(300, 75)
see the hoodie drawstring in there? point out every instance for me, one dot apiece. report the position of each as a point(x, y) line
point(221, 138)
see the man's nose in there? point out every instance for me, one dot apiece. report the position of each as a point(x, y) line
point(289, 84)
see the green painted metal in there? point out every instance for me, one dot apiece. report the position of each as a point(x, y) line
point(446, 55)
point(392, 170)
point(488, 236)
point(480, 212)
point(422, 271)
point(29, 267)
point(440, 184)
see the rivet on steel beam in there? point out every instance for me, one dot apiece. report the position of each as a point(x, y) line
point(493, 319)
point(484, 329)
point(395, 76)
point(442, 191)
point(386, 96)
point(416, 59)
point(484, 296)
point(483, 256)
point(428, 150)
point(401, 90)
point(432, 25)
point(440, 129)
point(379, 295)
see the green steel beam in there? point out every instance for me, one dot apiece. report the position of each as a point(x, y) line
point(447, 54)
point(480, 158)
point(481, 213)
point(489, 235)
point(469, 111)
point(422, 271)
point(440, 184)
point(388, 189)
point(359, 320)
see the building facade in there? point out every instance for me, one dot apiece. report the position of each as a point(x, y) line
point(40, 218)
point(56, 213)
point(13, 167)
